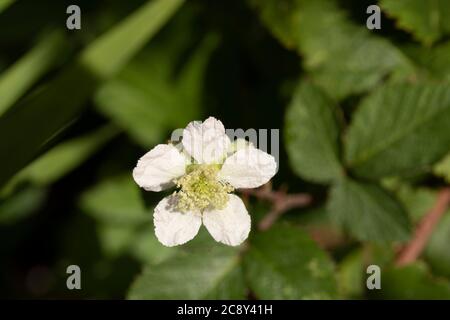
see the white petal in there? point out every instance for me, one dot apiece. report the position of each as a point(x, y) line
point(206, 142)
point(172, 227)
point(248, 168)
point(156, 170)
point(231, 225)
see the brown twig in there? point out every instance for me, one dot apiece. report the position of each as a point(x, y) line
point(281, 202)
point(424, 229)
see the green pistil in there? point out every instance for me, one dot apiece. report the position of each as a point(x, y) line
point(201, 189)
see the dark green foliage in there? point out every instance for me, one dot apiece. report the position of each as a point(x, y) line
point(364, 121)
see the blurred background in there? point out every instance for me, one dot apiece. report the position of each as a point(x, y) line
point(79, 107)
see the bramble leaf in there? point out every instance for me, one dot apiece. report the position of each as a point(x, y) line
point(399, 129)
point(367, 212)
point(312, 135)
point(284, 263)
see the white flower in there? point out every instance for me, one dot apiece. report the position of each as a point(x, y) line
point(207, 169)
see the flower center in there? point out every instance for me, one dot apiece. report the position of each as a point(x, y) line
point(200, 188)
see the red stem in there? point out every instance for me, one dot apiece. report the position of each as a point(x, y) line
point(424, 229)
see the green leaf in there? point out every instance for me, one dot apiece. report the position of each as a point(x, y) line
point(429, 63)
point(64, 157)
point(141, 118)
point(426, 20)
point(411, 282)
point(62, 99)
point(210, 271)
point(399, 129)
point(442, 168)
point(416, 201)
point(367, 212)
point(135, 31)
point(16, 80)
point(136, 240)
point(115, 239)
point(343, 57)
point(21, 204)
point(116, 201)
point(437, 252)
point(316, 216)
point(156, 100)
point(312, 135)
point(284, 263)
point(4, 4)
point(124, 224)
point(351, 275)
point(146, 248)
point(381, 254)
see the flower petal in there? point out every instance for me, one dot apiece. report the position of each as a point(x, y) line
point(156, 170)
point(173, 227)
point(248, 168)
point(231, 225)
point(206, 142)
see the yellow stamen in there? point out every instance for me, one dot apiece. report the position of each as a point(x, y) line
point(200, 188)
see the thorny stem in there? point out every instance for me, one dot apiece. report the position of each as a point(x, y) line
point(424, 229)
point(281, 202)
